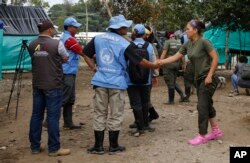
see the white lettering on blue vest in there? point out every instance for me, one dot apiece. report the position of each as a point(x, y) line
point(106, 36)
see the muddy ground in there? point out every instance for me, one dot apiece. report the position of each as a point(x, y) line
point(168, 144)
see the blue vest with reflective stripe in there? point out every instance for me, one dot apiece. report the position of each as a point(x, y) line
point(70, 67)
point(110, 60)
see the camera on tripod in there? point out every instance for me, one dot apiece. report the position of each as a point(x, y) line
point(24, 42)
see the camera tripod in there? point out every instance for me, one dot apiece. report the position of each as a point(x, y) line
point(18, 75)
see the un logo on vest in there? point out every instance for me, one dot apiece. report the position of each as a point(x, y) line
point(107, 56)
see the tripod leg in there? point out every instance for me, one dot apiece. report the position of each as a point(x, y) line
point(15, 77)
point(11, 91)
point(18, 75)
point(19, 90)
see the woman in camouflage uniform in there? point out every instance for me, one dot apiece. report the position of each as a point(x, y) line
point(204, 60)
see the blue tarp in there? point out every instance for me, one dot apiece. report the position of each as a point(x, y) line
point(1, 42)
point(11, 49)
point(238, 40)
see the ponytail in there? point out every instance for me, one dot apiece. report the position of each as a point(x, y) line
point(197, 24)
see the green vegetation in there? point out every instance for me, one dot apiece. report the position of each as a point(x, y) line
point(162, 14)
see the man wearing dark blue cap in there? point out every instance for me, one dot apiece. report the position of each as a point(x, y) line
point(47, 55)
point(139, 90)
point(110, 81)
point(70, 70)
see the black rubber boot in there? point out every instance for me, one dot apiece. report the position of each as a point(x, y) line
point(113, 143)
point(171, 93)
point(152, 114)
point(180, 92)
point(188, 92)
point(98, 147)
point(133, 125)
point(67, 117)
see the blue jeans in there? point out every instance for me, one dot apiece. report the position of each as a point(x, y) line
point(52, 101)
point(234, 81)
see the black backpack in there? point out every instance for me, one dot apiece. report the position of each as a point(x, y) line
point(245, 71)
point(138, 74)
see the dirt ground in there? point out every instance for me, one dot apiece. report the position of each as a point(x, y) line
point(168, 144)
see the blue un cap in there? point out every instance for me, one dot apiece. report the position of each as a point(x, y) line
point(70, 21)
point(139, 29)
point(119, 21)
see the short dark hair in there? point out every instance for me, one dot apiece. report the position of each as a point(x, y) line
point(65, 27)
point(243, 59)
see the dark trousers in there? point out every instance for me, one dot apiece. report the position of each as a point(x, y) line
point(68, 98)
point(205, 103)
point(188, 76)
point(139, 97)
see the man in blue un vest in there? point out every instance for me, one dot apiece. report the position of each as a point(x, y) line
point(70, 70)
point(110, 81)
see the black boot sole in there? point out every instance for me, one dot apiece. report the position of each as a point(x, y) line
point(92, 151)
point(119, 150)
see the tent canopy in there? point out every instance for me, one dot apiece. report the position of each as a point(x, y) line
point(21, 20)
point(238, 40)
point(20, 23)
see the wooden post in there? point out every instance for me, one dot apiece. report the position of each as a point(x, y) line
point(226, 49)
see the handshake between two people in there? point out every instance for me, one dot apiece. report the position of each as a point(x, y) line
point(153, 65)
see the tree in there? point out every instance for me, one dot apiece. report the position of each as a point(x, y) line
point(140, 11)
point(234, 14)
point(231, 15)
point(18, 2)
point(97, 22)
point(39, 3)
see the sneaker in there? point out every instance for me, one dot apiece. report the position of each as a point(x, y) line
point(41, 149)
point(197, 140)
point(214, 135)
point(184, 99)
point(149, 129)
point(60, 152)
point(235, 93)
point(137, 133)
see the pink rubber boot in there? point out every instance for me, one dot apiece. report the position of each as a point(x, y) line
point(198, 140)
point(214, 134)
